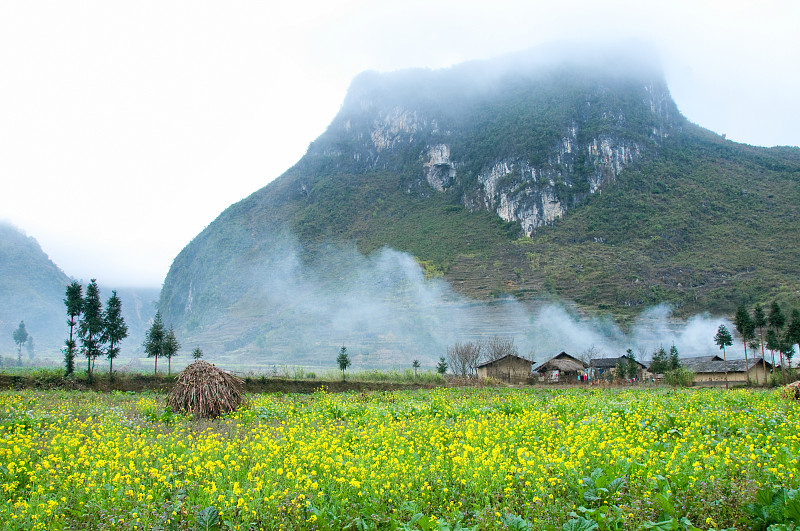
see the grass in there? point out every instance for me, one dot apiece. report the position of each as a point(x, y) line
point(53, 378)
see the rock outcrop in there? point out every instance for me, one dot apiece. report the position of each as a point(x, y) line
point(423, 124)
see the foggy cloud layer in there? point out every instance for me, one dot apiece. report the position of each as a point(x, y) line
point(387, 313)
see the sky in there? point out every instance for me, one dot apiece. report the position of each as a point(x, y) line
point(127, 127)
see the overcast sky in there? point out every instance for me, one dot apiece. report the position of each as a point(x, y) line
point(127, 127)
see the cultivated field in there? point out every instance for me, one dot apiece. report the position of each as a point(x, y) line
point(482, 458)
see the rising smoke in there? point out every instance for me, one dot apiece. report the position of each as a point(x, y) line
point(384, 309)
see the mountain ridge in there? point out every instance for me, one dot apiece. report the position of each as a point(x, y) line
point(495, 187)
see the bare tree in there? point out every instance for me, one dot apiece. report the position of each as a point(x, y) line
point(590, 354)
point(498, 347)
point(463, 358)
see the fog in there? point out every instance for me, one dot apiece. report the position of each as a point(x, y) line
point(387, 313)
point(166, 114)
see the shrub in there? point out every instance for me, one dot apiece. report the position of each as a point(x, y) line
point(679, 377)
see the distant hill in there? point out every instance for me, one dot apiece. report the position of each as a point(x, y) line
point(532, 177)
point(32, 290)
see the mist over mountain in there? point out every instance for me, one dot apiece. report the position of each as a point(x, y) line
point(32, 289)
point(552, 175)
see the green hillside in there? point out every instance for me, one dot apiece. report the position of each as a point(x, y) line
point(567, 180)
point(31, 289)
point(706, 226)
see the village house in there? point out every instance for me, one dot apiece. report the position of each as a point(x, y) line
point(510, 368)
point(708, 369)
point(561, 368)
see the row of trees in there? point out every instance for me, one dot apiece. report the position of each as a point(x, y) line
point(663, 362)
point(162, 343)
point(343, 361)
point(780, 337)
point(99, 331)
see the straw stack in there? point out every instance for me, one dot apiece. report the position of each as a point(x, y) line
point(792, 390)
point(205, 391)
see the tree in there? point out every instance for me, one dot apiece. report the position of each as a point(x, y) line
point(776, 320)
point(793, 332)
point(464, 358)
point(621, 370)
point(415, 365)
point(674, 360)
point(747, 329)
point(74, 304)
point(787, 350)
point(632, 365)
point(197, 353)
point(772, 344)
point(760, 321)
point(442, 367)
point(115, 329)
point(660, 363)
point(343, 360)
point(499, 347)
point(154, 339)
point(589, 354)
point(170, 348)
point(20, 337)
point(91, 325)
point(723, 339)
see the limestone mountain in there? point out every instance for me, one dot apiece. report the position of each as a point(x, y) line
point(530, 176)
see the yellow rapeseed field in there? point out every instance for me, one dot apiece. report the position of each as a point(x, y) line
point(435, 459)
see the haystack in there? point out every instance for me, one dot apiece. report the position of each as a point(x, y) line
point(205, 391)
point(792, 390)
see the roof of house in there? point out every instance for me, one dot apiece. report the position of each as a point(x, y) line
point(563, 362)
point(705, 364)
point(610, 363)
point(492, 362)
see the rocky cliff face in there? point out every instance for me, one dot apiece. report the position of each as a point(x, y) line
point(592, 131)
point(535, 196)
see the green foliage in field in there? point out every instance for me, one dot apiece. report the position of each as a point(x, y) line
point(442, 459)
point(680, 377)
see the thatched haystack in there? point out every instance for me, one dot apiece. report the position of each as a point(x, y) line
point(792, 391)
point(205, 391)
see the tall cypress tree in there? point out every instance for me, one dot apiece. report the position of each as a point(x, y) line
point(659, 364)
point(115, 329)
point(776, 321)
point(793, 331)
point(760, 321)
point(674, 360)
point(91, 326)
point(20, 337)
point(170, 348)
point(154, 340)
point(723, 339)
point(74, 304)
